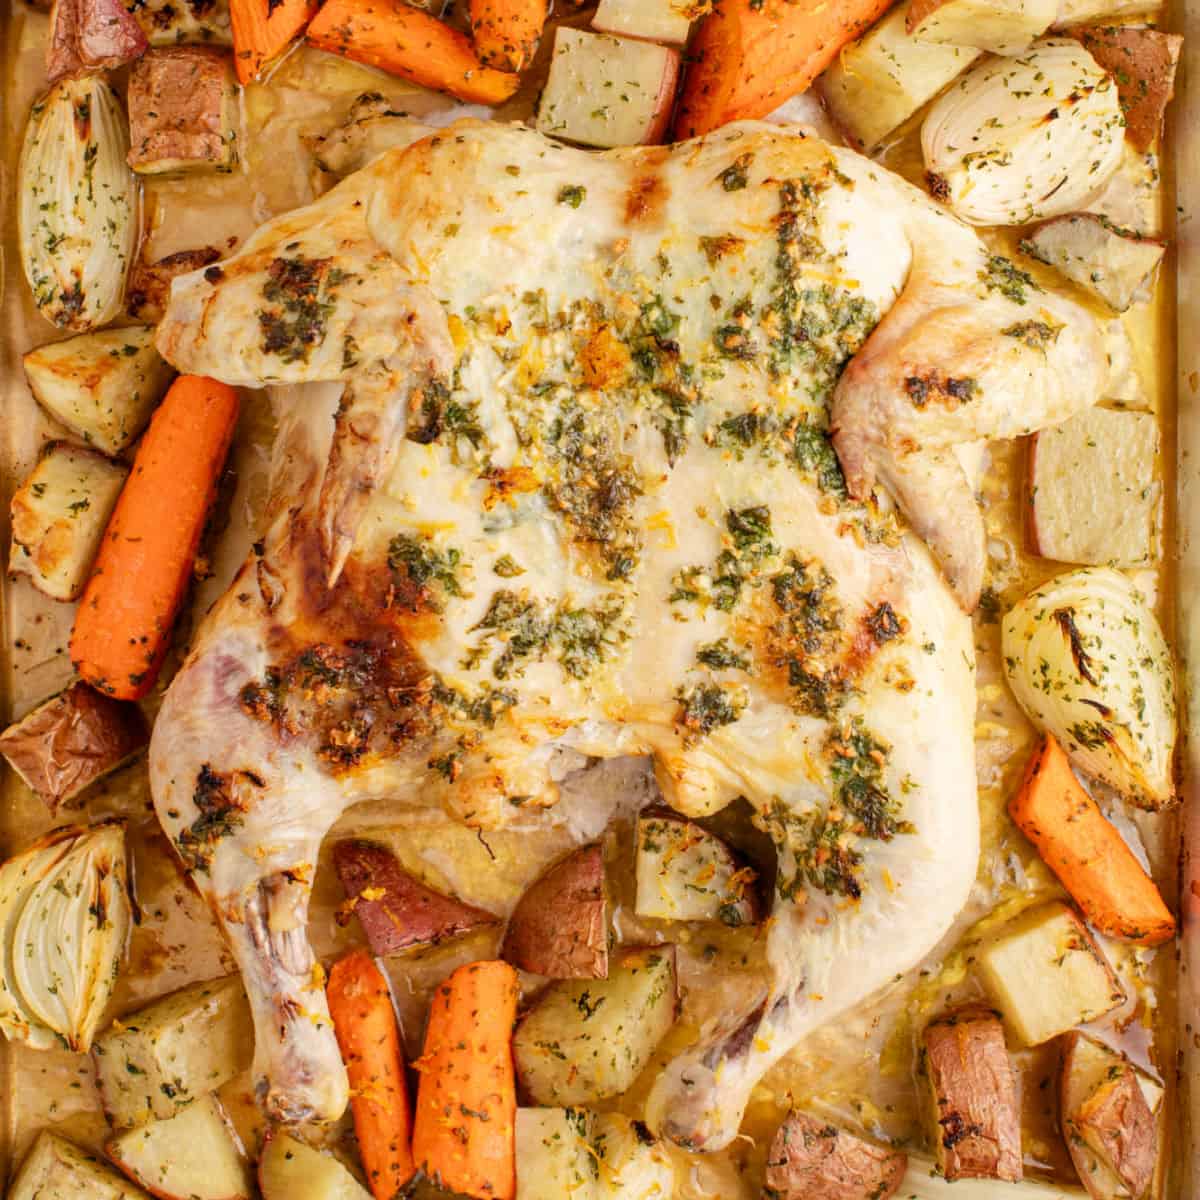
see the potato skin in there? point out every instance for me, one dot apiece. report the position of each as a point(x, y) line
point(396, 911)
point(1110, 1129)
point(71, 740)
point(813, 1160)
point(558, 928)
point(974, 1096)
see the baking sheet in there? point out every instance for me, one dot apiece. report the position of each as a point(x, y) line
point(177, 942)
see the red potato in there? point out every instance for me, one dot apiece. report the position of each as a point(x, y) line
point(1107, 1113)
point(71, 740)
point(396, 911)
point(1142, 61)
point(89, 34)
point(813, 1160)
point(558, 927)
point(182, 111)
point(973, 1094)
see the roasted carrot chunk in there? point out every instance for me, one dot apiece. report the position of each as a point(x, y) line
point(463, 1137)
point(1086, 852)
point(140, 577)
point(749, 56)
point(506, 32)
point(263, 30)
point(369, 1039)
point(410, 43)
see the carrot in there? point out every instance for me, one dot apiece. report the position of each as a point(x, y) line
point(263, 30)
point(123, 626)
point(463, 1138)
point(506, 32)
point(369, 1039)
point(1086, 852)
point(749, 56)
point(410, 43)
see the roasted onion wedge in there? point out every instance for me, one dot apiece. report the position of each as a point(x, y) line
point(65, 917)
point(1015, 140)
point(77, 202)
point(1087, 661)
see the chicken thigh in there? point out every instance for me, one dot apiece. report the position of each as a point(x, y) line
point(584, 457)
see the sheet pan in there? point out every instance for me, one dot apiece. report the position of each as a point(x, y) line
point(21, 682)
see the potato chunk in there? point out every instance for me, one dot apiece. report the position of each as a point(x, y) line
point(1004, 28)
point(813, 1160)
point(1113, 264)
point(58, 517)
point(397, 911)
point(1095, 490)
point(685, 873)
point(878, 82)
point(56, 1169)
point(193, 1154)
point(655, 20)
point(186, 1044)
point(1108, 1119)
point(554, 1158)
point(102, 386)
point(75, 738)
point(976, 1114)
point(1047, 975)
point(1142, 61)
point(292, 1170)
point(633, 1163)
point(182, 111)
point(558, 927)
point(91, 34)
point(606, 91)
point(150, 283)
point(583, 1040)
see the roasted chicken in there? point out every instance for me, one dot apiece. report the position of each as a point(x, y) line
point(585, 460)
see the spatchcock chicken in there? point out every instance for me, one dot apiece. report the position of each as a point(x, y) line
point(632, 453)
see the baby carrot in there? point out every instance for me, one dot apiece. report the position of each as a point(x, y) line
point(123, 626)
point(369, 1039)
point(463, 1137)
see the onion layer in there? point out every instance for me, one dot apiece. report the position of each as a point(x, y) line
point(1088, 663)
point(65, 917)
point(76, 203)
point(1015, 140)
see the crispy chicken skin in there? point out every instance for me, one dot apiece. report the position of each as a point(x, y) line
point(560, 476)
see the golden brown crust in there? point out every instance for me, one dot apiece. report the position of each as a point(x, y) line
point(150, 283)
point(813, 1160)
point(974, 1093)
point(558, 927)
